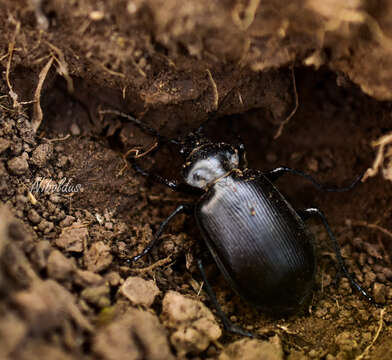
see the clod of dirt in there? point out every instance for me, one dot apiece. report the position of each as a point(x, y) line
point(346, 342)
point(18, 165)
point(252, 349)
point(73, 238)
point(114, 279)
point(59, 267)
point(68, 221)
point(195, 325)
point(38, 350)
point(98, 257)
point(42, 154)
point(47, 306)
point(34, 217)
point(97, 295)
point(4, 144)
point(140, 291)
point(5, 216)
point(17, 266)
point(138, 334)
point(41, 253)
point(12, 332)
point(379, 293)
point(85, 278)
point(45, 226)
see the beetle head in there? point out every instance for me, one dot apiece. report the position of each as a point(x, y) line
point(207, 162)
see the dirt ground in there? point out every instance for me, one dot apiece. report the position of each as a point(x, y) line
point(72, 209)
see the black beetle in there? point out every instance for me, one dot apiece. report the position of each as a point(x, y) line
point(258, 240)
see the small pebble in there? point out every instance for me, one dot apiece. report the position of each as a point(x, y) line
point(75, 130)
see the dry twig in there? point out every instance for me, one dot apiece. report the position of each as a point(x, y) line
point(284, 122)
point(166, 260)
point(37, 114)
point(249, 14)
point(62, 67)
point(11, 47)
point(381, 143)
point(375, 336)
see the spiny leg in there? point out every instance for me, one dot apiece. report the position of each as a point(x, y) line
point(312, 212)
point(275, 174)
point(185, 208)
point(228, 325)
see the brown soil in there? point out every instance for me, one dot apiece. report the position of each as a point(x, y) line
point(66, 290)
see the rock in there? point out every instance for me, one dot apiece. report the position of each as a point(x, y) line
point(18, 165)
point(59, 267)
point(73, 238)
point(140, 291)
point(42, 154)
point(252, 349)
point(138, 334)
point(97, 295)
point(85, 278)
point(195, 325)
point(98, 257)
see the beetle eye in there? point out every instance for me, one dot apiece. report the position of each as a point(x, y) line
point(196, 177)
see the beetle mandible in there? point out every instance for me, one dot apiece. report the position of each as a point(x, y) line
point(258, 240)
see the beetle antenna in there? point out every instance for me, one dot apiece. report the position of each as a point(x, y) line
point(148, 129)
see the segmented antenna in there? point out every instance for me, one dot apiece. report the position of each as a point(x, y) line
point(148, 129)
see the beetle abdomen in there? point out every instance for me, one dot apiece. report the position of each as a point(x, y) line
point(258, 241)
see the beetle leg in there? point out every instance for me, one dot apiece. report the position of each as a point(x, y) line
point(228, 325)
point(185, 208)
point(172, 184)
point(311, 212)
point(275, 174)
